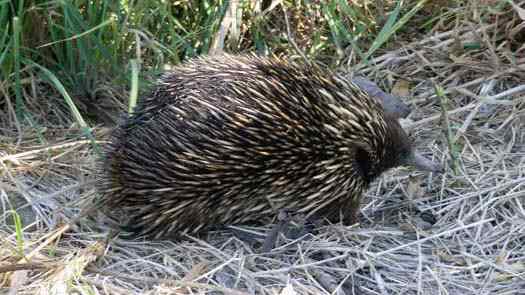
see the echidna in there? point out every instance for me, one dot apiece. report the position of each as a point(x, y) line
point(230, 139)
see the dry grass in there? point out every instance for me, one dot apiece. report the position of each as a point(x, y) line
point(477, 245)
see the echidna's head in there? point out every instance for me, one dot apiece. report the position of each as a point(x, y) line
point(399, 150)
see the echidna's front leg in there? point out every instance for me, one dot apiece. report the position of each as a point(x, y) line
point(352, 215)
point(283, 220)
point(302, 226)
point(345, 211)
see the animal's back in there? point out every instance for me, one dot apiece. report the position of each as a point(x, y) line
point(227, 140)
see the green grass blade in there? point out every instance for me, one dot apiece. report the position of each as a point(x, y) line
point(76, 36)
point(351, 37)
point(329, 11)
point(391, 26)
point(133, 95)
point(405, 18)
point(18, 232)
point(385, 32)
point(4, 13)
point(16, 57)
point(4, 45)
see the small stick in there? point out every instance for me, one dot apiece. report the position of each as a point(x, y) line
point(24, 155)
point(25, 266)
point(446, 128)
point(413, 125)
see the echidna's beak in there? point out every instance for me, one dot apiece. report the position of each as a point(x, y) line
point(393, 105)
point(424, 164)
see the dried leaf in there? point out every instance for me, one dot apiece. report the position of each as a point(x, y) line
point(407, 227)
point(414, 189)
point(517, 267)
point(401, 88)
point(457, 59)
point(442, 254)
point(195, 271)
point(501, 258)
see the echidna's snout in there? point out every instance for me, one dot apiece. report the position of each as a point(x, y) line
point(421, 163)
point(393, 105)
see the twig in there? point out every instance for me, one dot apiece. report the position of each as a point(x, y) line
point(14, 158)
point(448, 232)
point(508, 92)
point(436, 117)
point(299, 266)
point(26, 266)
point(447, 130)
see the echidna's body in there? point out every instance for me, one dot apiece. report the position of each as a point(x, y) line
point(231, 139)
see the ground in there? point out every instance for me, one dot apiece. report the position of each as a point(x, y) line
point(465, 87)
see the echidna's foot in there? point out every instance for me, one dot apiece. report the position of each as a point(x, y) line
point(346, 220)
point(299, 229)
point(283, 220)
point(427, 217)
point(292, 226)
